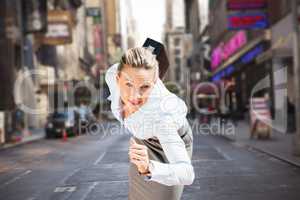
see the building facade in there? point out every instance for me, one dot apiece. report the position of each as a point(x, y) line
point(34, 41)
point(264, 65)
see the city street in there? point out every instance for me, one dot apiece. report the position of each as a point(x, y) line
point(72, 70)
point(95, 167)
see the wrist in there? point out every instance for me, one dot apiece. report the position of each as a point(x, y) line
point(145, 172)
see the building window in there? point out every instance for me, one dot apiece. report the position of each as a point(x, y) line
point(177, 42)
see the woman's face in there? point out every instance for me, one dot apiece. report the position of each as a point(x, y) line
point(135, 85)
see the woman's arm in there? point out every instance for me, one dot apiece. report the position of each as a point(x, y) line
point(179, 170)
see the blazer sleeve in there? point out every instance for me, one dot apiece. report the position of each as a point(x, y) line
point(179, 170)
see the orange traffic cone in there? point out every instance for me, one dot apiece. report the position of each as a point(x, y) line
point(65, 136)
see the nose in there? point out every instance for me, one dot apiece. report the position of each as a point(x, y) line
point(136, 94)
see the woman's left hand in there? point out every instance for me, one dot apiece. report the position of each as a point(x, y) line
point(138, 155)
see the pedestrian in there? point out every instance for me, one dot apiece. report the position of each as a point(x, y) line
point(161, 145)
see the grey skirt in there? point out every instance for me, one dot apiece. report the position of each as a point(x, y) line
point(139, 189)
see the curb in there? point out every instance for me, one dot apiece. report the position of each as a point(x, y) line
point(295, 164)
point(7, 146)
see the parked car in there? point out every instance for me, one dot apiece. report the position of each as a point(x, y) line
point(58, 122)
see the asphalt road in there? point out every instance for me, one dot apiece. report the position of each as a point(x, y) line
point(95, 167)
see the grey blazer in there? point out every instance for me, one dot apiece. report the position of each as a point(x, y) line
point(139, 188)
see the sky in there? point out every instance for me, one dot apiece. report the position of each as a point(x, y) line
point(203, 7)
point(150, 16)
point(150, 19)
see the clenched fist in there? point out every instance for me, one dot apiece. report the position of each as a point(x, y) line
point(138, 155)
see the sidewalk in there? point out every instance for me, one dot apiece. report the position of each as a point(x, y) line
point(34, 134)
point(280, 145)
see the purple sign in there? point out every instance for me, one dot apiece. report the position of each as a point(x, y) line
point(224, 50)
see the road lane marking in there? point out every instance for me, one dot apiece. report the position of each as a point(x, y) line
point(70, 175)
point(227, 157)
point(65, 189)
point(90, 189)
point(16, 178)
point(99, 158)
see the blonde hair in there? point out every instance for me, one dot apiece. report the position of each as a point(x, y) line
point(139, 57)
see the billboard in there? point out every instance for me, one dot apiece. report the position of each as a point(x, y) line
point(59, 28)
point(246, 4)
point(243, 21)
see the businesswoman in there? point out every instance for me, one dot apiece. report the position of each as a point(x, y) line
point(160, 149)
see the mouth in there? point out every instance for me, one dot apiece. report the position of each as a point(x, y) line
point(135, 102)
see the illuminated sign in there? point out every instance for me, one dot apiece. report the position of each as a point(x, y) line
point(226, 72)
point(229, 70)
point(245, 59)
point(248, 57)
point(246, 4)
point(216, 78)
point(239, 21)
point(225, 50)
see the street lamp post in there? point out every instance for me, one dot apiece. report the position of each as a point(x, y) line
point(296, 40)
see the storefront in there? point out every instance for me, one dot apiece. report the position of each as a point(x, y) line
point(280, 58)
point(10, 61)
point(239, 73)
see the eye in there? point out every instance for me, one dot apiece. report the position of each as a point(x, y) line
point(145, 87)
point(128, 84)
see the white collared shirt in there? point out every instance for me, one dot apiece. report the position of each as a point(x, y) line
point(161, 116)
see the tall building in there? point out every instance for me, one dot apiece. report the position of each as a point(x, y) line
point(113, 31)
point(44, 36)
point(10, 62)
point(176, 41)
point(194, 27)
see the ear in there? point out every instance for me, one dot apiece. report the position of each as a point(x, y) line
point(118, 77)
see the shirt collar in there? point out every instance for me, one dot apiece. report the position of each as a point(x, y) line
point(149, 113)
